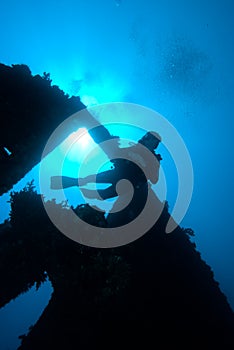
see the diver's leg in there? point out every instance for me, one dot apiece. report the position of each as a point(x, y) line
point(106, 193)
point(60, 182)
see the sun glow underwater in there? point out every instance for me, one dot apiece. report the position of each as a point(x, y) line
point(89, 101)
point(82, 154)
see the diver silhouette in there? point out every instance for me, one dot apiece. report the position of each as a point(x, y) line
point(131, 163)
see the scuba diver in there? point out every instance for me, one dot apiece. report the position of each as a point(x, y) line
point(130, 163)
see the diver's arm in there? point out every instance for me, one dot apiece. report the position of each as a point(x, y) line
point(153, 171)
point(97, 131)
